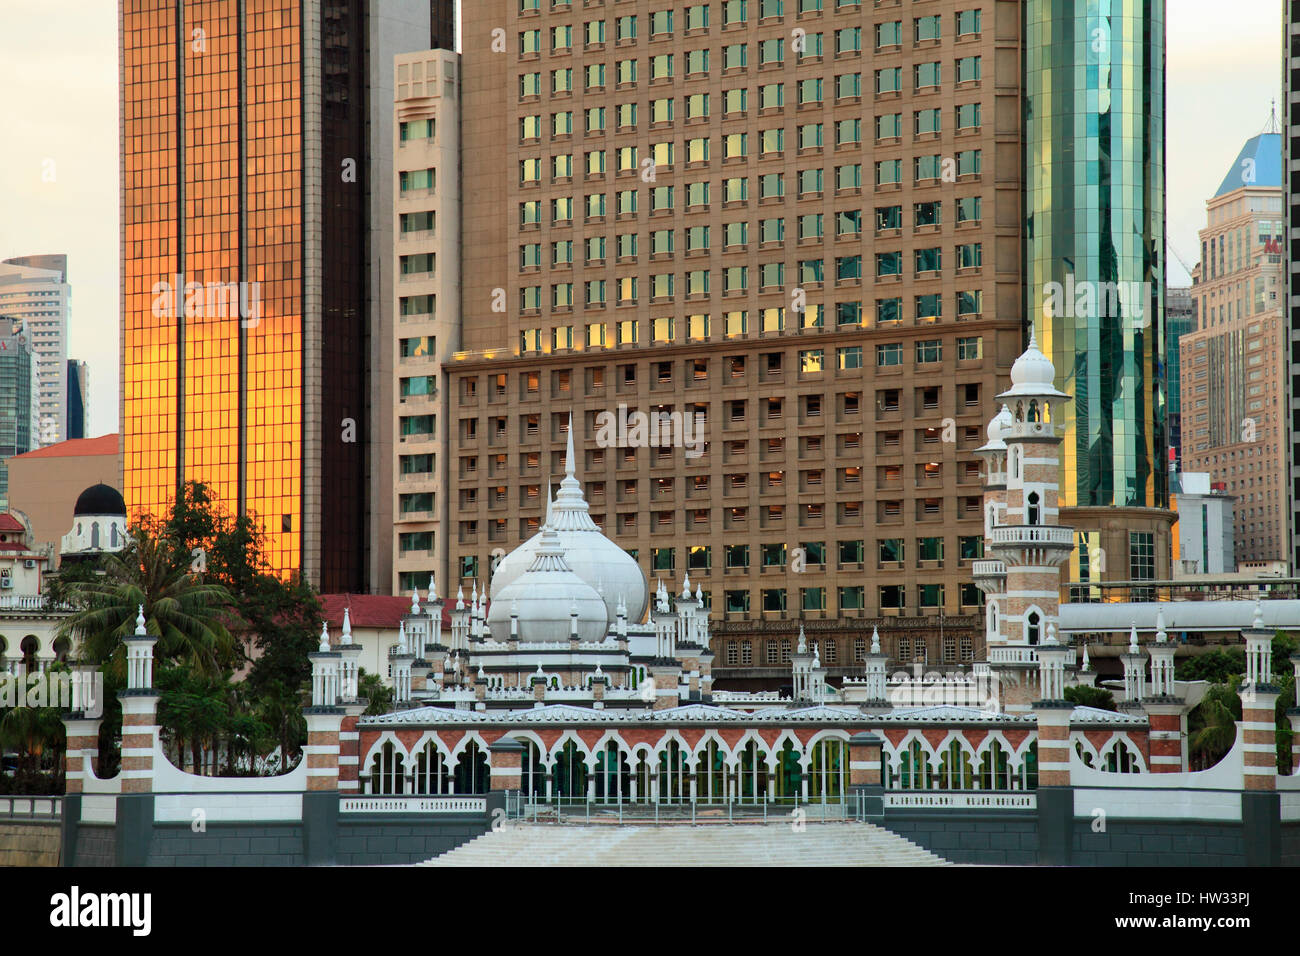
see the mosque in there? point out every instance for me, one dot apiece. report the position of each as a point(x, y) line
point(574, 681)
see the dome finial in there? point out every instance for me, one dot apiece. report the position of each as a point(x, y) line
point(569, 470)
point(875, 640)
point(347, 626)
point(1033, 336)
point(139, 623)
point(324, 637)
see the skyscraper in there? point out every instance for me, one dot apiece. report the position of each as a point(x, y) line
point(794, 223)
point(1180, 318)
point(1094, 133)
point(1291, 257)
point(78, 399)
point(35, 290)
point(16, 383)
point(1234, 363)
point(251, 285)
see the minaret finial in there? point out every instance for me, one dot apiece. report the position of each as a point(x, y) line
point(569, 470)
point(324, 637)
point(875, 640)
point(139, 623)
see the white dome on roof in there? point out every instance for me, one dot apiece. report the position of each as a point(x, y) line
point(544, 598)
point(1033, 367)
point(1033, 374)
point(594, 558)
point(998, 426)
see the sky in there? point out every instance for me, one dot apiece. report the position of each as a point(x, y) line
point(58, 113)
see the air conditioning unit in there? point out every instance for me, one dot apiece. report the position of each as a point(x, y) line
point(29, 563)
point(6, 582)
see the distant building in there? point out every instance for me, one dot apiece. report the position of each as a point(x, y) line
point(46, 482)
point(1180, 318)
point(98, 524)
point(1203, 537)
point(1233, 365)
point(15, 399)
point(78, 398)
point(35, 290)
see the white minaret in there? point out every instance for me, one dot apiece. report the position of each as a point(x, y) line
point(434, 606)
point(877, 689)
point(1134, 669)
point(1028, 537)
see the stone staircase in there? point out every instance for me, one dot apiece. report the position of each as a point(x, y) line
point(754, 844)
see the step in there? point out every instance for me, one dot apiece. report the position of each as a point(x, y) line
point(751, 844)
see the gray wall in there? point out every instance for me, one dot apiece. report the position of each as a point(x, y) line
point(972, 836)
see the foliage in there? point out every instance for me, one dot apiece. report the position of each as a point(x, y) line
point(1085, 696)
point(36, 734)
point(1212, 725)
point(377, 694)
point(1217, 667)
point(215, 607)
point(186, 614)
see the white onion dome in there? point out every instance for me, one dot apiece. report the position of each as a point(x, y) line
point(594, 558)
point(544, 598)
point(998, 426)
point(1033, 373)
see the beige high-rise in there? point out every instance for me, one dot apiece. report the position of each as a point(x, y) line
point(1233, 363)
point(797, 219)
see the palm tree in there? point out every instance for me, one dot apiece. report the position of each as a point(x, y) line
point(184, 613)
point(32, 732)
point(372, 688)
point(1214, 724)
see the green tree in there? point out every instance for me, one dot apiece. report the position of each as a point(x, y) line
point(378, 696)
point(1212, 725)
point(1085, 696)
point(187, 615)
point(1217, 667)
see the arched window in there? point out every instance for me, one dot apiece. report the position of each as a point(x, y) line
point(826, 771)
point(1035, 516)
point(29, 647)
point(387, 771)
point(1015, 463)
point(993, 517)
point(62, 647)
point(1032, 626)
point(1033, 410)
point(94, 534)
point(112, 535)
point(993, 619)
point(431, 773)
point(472, 770)
point(570, 772)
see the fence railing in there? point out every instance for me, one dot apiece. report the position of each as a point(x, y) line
point(31, 808)
point(416, 805)
point(537, 808)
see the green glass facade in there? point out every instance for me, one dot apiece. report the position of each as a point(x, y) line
point(1095, 221)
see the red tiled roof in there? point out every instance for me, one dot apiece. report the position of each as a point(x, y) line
point(103, 445)
point(372, 610)
point(9, 523)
